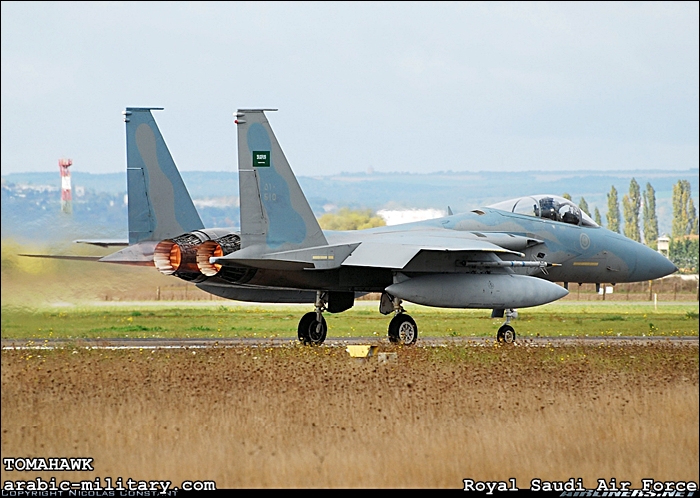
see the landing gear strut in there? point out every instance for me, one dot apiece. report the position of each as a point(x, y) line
point(312, 326)
point(506, 334)
point(402, 328)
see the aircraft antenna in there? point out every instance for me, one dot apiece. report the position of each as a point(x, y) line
point(66, 197)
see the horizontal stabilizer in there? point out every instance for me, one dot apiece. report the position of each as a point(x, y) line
point(319, 258)
point(265, 263)
point(104, 242)
point(66, 257)
point(140, 254)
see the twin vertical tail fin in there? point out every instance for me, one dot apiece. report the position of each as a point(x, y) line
point(159, 205)
point(275, 215)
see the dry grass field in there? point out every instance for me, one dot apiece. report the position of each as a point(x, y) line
point(313, 417)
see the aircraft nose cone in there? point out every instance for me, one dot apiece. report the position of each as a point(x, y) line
point(652, 265)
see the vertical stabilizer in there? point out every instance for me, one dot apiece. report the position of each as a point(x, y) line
point(275, 214)
point(159, 205)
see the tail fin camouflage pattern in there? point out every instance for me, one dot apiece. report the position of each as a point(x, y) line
point(159, 205)
point(275, 215)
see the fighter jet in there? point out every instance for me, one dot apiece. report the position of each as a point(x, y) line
point(500, 257)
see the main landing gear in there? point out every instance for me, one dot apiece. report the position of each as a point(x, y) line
point(506, 334)
point(402, 328)
point(312, 326)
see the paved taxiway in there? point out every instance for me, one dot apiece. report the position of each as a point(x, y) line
point(147, 343)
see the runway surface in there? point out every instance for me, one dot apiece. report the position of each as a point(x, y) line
point(147, 343)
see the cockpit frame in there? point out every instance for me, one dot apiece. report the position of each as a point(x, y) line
point(551, 207)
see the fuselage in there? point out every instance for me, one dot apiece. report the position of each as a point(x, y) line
point(586, 254)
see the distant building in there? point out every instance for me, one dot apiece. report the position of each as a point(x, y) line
point(398, 216)
point(663, 243)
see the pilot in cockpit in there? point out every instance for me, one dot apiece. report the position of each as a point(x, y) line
point(570, 218)
point(549, 208)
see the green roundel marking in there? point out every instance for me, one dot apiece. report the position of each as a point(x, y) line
point(261, 158)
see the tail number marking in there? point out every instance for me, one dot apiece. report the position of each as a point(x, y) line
point(267, 194)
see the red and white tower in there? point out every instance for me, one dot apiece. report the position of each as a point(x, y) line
point(66, 197)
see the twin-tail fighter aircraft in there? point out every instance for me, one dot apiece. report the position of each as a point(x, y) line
point(499, 257)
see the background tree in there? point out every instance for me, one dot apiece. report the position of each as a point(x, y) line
point(650, 222)
point(584, 206)
point(630, 206)
point(627, 215)
point(692, 216)
point(613, 215)
point(566, 196)
point(346, 219)
point(683, 252)
point(679, 222)
point(597, 218)
point(684, 215)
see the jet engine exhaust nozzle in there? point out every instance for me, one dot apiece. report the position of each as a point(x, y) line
point(178, 256)
point(216, 248)
point(167, 257)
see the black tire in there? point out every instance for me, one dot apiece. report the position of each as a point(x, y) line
point(403, 330)
point(309, 332)
point(506, 334)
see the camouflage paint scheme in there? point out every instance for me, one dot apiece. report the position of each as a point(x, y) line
point(498, 257)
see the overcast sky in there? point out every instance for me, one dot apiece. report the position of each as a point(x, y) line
point(415, 87)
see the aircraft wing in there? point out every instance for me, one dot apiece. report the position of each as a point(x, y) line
point(393, 251)
point(397, 253)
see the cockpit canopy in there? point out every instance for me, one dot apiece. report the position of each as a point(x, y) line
point(551, 207)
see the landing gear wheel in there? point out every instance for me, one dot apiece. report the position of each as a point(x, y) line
point(310, 331)
point(403, 330)
point(506, 335)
